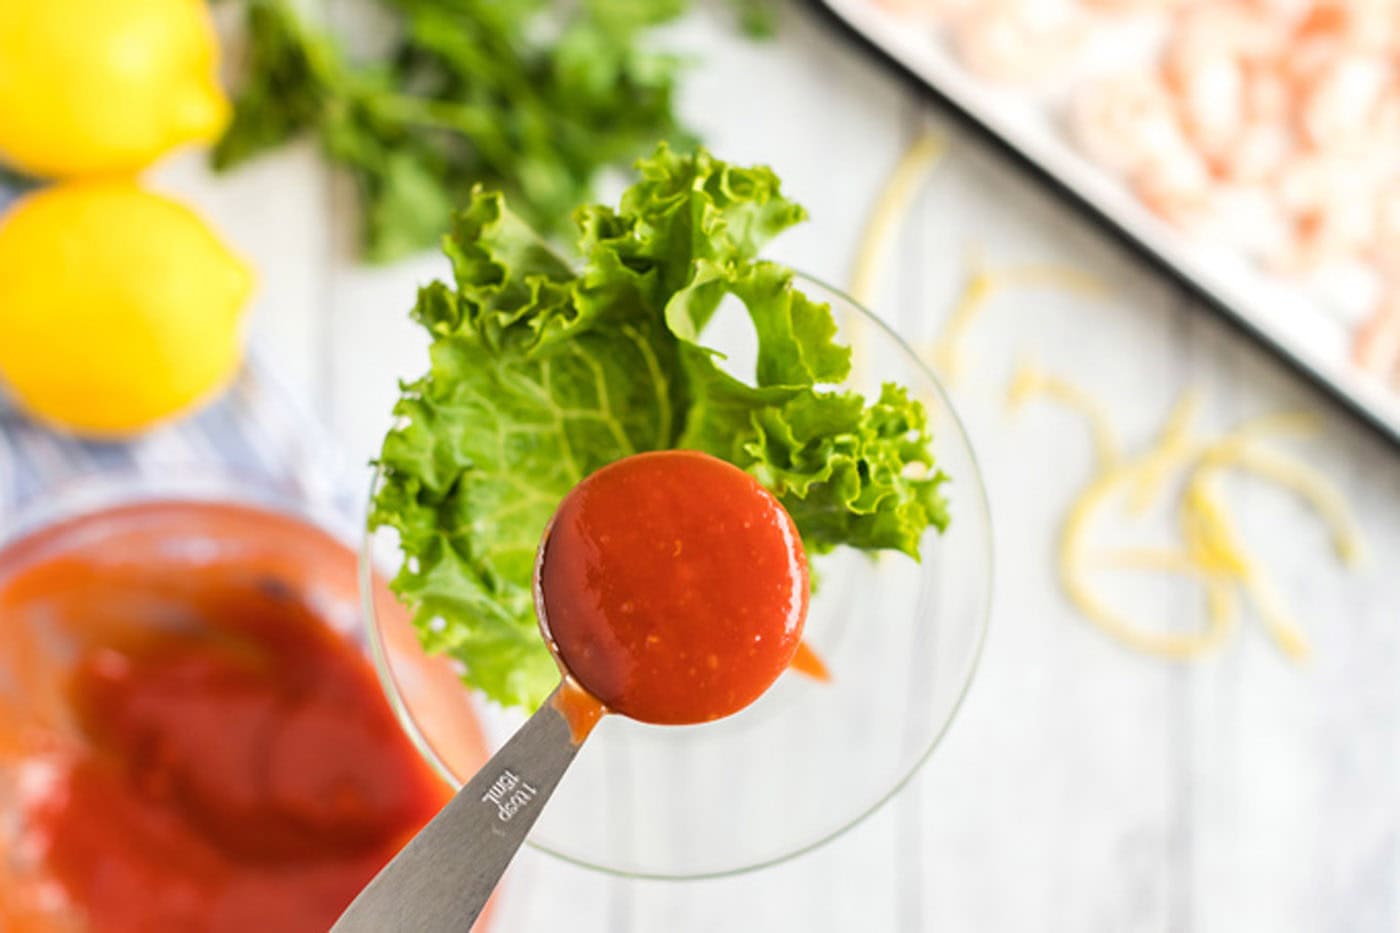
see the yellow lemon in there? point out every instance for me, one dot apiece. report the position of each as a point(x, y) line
point(105, 86)
point(118, 308)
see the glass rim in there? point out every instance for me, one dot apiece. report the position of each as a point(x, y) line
point(379, 655)
point(98, 489)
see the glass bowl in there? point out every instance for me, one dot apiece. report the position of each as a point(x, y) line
point(808, 760)
point(182, 523)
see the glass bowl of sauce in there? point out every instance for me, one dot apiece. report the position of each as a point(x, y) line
point(813, 756)
point(191, 734)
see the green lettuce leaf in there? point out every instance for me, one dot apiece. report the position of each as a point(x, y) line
point(543, 370)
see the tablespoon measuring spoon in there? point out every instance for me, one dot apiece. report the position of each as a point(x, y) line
point(442, 879)
point(672, 588)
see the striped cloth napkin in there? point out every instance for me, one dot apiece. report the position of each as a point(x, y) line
point(258, 432)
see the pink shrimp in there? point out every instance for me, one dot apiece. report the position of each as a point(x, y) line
point(1338, 104)
point(1121, 121)
point(1211, 96)
point(1207, 65)
point(1176, 184)
point(1264, 141)
point(1268, 98)
point(1017, 40)
point(1331, 206)
point(1260, 151)
point(1222, 27)
point(1272, 126)
point(1369, 25)
point(1129, 124)
point(1282, 11)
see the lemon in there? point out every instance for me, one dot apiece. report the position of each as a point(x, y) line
point(119, 308)
point(105, 86)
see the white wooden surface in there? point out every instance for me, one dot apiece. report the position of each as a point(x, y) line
point(1083, 788)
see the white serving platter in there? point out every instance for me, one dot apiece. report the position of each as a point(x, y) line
point(1309, 324)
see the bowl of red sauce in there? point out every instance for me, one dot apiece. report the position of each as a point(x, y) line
point(192, 736)
point(889, 649)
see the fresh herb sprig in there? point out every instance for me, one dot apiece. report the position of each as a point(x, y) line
point(529, 97)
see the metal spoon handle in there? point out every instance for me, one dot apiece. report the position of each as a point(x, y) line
point(440, 881)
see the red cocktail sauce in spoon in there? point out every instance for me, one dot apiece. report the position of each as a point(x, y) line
point(672, 588)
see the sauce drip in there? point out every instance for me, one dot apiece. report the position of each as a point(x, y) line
point(580, 709)
point(808, 663)
point(673, 587)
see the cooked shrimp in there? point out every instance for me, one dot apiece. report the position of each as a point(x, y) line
point(1176, 184)
point(1259, 153)
point(1247, 217)
point(1122, 120)
point(1268, 126)
point(1207, 65)
point(1282, 11)
point(1211, 98)
point(1331, 206)
point(1017, 40)
point(1339, 105)
point(1222, 27)
point(1371, 25)
point(1268, 97)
